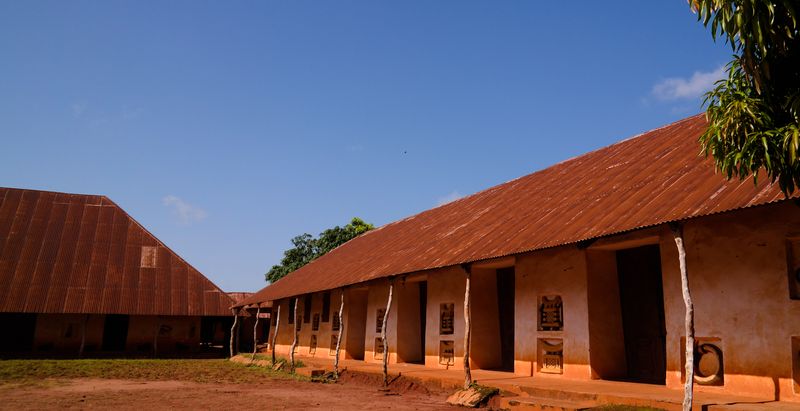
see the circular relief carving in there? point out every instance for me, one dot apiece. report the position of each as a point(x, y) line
point(708, 364)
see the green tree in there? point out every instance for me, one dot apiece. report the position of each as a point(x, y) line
point(754, 113)
point(306, 248)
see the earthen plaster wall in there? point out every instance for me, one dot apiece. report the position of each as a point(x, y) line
point(560, 272)
point(737, 264)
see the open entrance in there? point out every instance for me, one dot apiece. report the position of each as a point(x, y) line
point(115, 332)
point(356, 323)
point(412, 305)
point(505, 308)
point(493, 318)
point(18, 332)
point(642, 306)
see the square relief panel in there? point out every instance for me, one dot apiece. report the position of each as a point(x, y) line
point(551, 313)
point(377, 353)
point(315, 323)
point(380, 313)
point(312, 345)
point(446, 318)
point(447, 352)
point(332, 349)
point(551, 355)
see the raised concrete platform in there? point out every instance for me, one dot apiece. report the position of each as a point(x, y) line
point(532, 393)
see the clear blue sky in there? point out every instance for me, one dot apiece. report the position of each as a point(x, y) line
point(226, 128)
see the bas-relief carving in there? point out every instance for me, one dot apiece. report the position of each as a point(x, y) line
point(332, 349)
point(377, 353)
point(335, 324)
point(315, 323)
point(551, 313)
point(312, 345)
point(381, 312)
point(709, 366)
point(551, 356)
point(446, 352)
point(446, 318)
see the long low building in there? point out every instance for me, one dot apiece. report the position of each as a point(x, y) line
point(79, 276)
point(575, 274)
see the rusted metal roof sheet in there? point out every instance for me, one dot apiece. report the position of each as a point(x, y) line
point(654, 178)
point(239, 296)
point(73, 253)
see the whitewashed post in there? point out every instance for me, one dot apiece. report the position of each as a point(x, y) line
point(383, 335)
point(233, 328)
point(294, 342)
point(275, 335)
point(83, 335)
point(255, 326)
point(155, 337)
point(677, 233)
point(339, 337)
point(467, 328)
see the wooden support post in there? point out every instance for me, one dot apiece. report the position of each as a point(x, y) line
point(677, 233)
point(233, 328)
point(83, 335)
point(155, 337)
point(383, 335)
point(294, 342)
point(255, 327)
point(467, 328)
point(339, 338)
point(275, 335)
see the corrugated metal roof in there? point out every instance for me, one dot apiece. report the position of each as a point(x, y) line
point(656, 177)
point(239, 296)
point(74, 253)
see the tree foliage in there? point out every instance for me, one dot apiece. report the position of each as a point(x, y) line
point(306, 248)
point(754, 113)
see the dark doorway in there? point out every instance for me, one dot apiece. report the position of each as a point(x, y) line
point(423, 316)
point(505, 309)
point(19, 332)
point(642, 304)
point(356, 322)
point(115, 332)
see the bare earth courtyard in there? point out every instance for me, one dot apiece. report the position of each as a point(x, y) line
point(191, 384)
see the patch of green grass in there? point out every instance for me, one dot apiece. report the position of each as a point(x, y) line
point(619, 407)
point(278, 359)
point(203, 371)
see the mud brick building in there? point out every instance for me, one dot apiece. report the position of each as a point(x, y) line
point(574, 275)
point(79, 276)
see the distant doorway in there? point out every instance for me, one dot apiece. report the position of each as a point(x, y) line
point(412, 303)
point(115, 332)
point(642, 305)
point(356, 323)
point(505, 309)
point(19, 332)
point(492, 318)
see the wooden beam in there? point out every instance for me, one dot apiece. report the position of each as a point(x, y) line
point(467, 327)
point(275, 335)
point(233, 328)
point(677, 234)
point(383, 335)
point(83, 335)
point(294, 342)
point(339, 337)
point(255, 340)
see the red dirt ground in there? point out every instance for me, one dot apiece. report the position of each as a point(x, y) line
point(353, 392)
